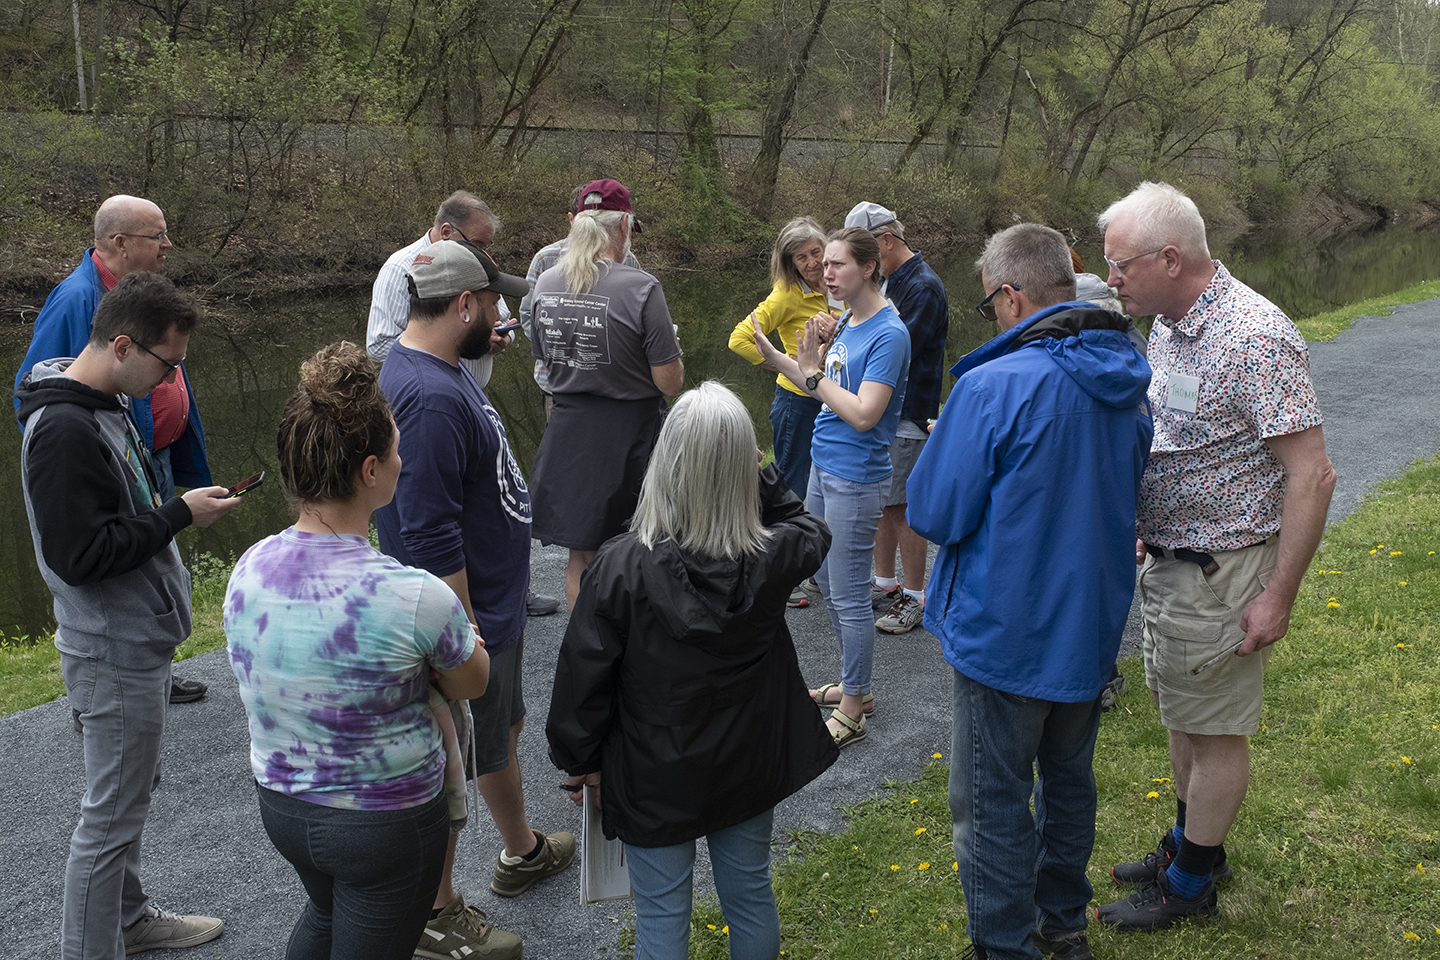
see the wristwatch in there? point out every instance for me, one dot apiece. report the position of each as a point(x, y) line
point(812, 382)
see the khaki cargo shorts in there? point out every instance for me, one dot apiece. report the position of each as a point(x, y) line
point(1189, 618)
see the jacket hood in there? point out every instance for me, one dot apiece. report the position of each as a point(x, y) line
point(1089, 343)
point(47, 384)
point(701, 595)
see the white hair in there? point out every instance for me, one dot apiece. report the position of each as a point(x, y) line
point(1161, 215)
point(702, 487)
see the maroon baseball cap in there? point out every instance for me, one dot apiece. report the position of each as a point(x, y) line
point(613, 196)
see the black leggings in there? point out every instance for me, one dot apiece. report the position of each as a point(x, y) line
point(371, 874)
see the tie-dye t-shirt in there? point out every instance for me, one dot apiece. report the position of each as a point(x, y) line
point(332, 644)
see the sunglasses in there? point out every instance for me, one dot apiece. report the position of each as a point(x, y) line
point(986, 308)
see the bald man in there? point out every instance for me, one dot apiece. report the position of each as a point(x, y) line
point(130, 237)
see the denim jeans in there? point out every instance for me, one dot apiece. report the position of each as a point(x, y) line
point(662, 881)
point(123, 713)
point(792, 425)
point(371, 874)
point(1022, 872)
point(852, 511)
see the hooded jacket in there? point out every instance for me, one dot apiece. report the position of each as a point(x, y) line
point(106, 549)
point(678, 679)
point(63, 328)
point(1028, 484)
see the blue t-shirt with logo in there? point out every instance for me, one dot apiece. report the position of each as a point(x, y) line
point(877, 350)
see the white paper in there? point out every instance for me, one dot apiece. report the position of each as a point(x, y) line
point(604, 875)
point(1183, 393)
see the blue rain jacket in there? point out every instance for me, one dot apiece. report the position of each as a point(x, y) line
point(1028, 484)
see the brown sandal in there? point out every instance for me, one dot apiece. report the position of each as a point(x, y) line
point(867, 702)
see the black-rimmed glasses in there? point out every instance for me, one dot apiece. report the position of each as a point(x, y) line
point(986, 308)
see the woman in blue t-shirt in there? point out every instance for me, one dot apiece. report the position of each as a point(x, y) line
point(334, 646)
point(860, 380)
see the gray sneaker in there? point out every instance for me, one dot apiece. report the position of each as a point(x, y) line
point(461, 931)
point(163, 930)
point(904, 615)
point(882, 599)
point(513, 879)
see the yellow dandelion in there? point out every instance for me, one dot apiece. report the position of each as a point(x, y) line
point(709, 926)
point(920, 830)
point(1394, 553)
point(1333, 605)
point(1333, 599)
point(854, 847)
point(946, 926)
point(1404, 583)
point(1410, 935)
point(1380, 546)
point(873, 910)
point(955, 866)
point(1405, 760)
point(935, 756)
point(894, 866)
point(725, 930)
point(1152, 795)
point(1159, 779)
point(1400, 645)
point(924, 866)
point(1372, 552)
point(1431, 554)
point(916, 800)
point(1420, 869)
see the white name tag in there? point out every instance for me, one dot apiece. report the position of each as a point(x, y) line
point(1183, 393)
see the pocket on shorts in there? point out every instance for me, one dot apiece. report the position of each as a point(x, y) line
point(1184, 643)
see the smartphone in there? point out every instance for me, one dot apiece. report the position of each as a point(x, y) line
point(245, 486)
point(505, 327)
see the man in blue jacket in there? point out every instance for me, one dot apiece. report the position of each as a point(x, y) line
point(1028, 484)
point(130, 236)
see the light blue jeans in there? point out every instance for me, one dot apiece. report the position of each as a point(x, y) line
point(662, 879)
point(852, 511)
point(122, 710)
point(1021, 872)
point(792, 425)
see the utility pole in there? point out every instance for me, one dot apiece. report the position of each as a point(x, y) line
point(79, 55)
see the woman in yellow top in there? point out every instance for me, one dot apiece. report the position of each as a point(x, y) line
point(799, 294)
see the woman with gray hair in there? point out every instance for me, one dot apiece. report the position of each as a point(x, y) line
point(678, 680)
point(604, 332)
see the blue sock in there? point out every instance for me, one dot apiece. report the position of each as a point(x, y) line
point(1186, 885)
point(1178, 832)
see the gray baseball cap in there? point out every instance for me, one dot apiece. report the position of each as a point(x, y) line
point(869, 216)
point(447, 268)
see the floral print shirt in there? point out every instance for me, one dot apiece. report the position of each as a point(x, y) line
point(1212, 483)
point(332, 644)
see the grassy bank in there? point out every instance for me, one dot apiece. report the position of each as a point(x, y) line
point(1325, 326)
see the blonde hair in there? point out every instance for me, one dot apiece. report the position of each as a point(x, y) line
point(335, 420)
point(592, 236)
point(702, 488)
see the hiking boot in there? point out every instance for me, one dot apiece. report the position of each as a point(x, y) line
point(1154, 907)
point(1111, 692)
point(514, 875)
point(905, 615)
point(1143, 871)
point(186, 691)
point(1072, 946)
point(882, 599)
point(461, 931)
point(163, 930)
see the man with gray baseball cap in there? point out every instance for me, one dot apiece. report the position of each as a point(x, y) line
point(462, 512)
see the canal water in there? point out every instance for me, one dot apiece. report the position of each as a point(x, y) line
point(244, 362)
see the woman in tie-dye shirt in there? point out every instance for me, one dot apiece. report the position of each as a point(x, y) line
point(335, 646)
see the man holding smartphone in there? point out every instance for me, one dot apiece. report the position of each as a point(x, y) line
point(105, 541)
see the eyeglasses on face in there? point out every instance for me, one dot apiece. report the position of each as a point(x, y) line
point(169, 367)
point(1119, 265)
point(160, 237)
point(986, 308)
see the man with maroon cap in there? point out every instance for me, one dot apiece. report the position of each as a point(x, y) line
point(604, 332)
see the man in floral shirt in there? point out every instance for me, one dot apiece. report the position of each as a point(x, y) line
point(1238, 446)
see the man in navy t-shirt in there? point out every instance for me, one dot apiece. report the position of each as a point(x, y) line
point(462, 512)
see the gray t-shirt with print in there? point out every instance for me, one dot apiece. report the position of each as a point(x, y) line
point(604, 341)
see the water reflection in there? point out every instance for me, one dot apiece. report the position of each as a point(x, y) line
point(244, 363)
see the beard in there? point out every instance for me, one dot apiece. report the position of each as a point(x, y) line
point(476, 343)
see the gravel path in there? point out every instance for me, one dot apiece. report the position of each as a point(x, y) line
point(206, 852)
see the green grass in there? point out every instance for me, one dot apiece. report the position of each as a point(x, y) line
point(30, 666)
point(1324, 326)
point(1336, 851)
